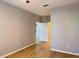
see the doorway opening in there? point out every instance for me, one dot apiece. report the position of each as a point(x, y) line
point(43, 33)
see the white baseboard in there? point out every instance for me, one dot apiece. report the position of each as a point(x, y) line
point(65, 52)
point(17, 50)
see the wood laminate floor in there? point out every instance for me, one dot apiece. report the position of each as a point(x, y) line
point(40, 50)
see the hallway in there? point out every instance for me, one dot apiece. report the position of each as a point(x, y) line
point(40, 50)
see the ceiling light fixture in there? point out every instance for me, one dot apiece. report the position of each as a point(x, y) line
point(45, 5)
point(27, 1)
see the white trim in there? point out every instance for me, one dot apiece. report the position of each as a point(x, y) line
point(17, 50)
point(65, 52)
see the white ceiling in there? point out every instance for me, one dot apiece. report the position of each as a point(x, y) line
point(36, 6)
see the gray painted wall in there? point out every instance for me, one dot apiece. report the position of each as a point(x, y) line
point(65, 29)
point(17, 28)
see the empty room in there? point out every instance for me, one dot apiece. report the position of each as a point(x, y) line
point(39, 28)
